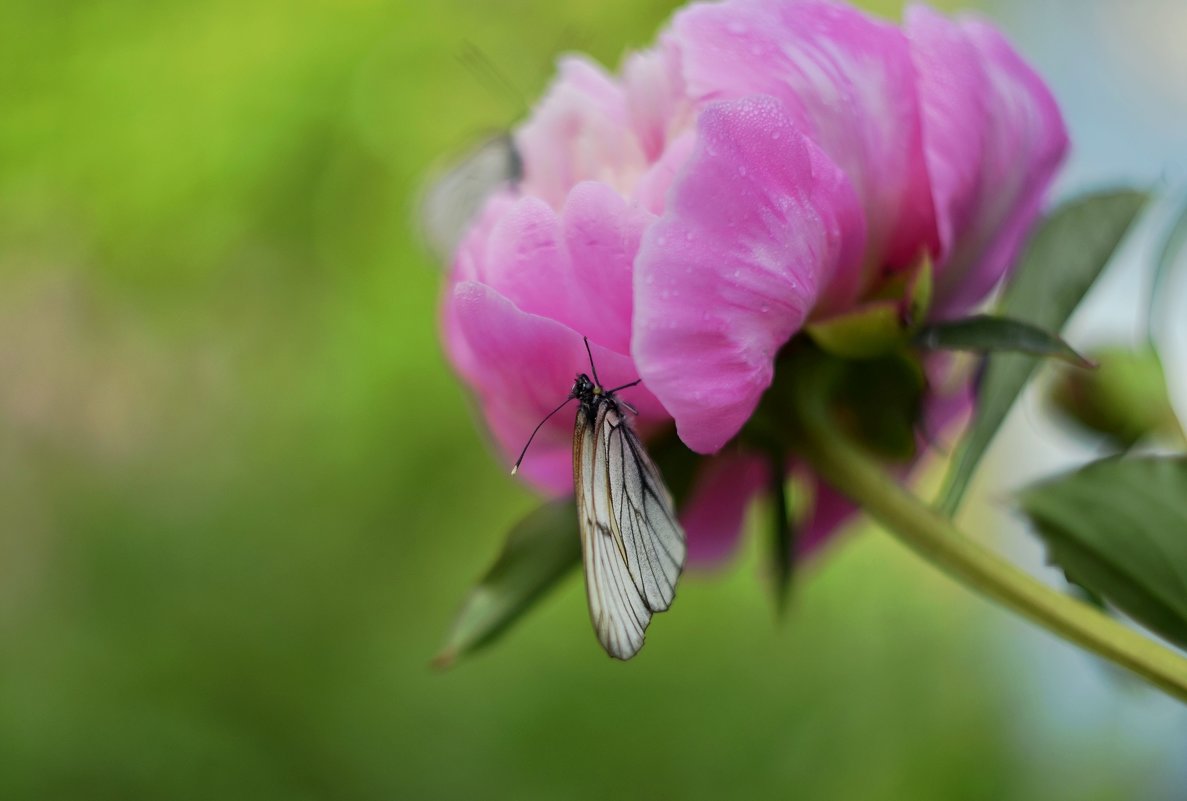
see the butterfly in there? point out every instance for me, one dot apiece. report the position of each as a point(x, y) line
point(449, 205)
point(632, 544)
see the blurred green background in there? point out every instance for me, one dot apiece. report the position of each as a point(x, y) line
point(241, 493)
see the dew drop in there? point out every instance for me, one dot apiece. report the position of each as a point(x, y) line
point(742, 171)
point(775, 134)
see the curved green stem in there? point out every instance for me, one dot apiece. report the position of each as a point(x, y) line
point(937, 540)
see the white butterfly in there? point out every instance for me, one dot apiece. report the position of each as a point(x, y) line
point(632, 543)
point(449, 204)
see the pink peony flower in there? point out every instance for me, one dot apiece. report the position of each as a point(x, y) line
point(768, 163)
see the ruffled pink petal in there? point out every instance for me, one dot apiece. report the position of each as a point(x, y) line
point(994, 138)
point(758, 223)
point(717, 504)
point(656, 99)
point(847, 82)
point(574, 267)
point(521, 366)
point(831, 511)
point(652, 190)
point(580, 131)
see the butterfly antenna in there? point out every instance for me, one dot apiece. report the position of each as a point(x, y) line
point(539, 425)
point(634, 383)
point(589, 353)
point(496, 81)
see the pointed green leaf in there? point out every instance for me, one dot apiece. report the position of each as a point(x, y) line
point(1119, 526)
point(982, 333)
point(1172, 246)
point(1060, 264)
point(540, 550)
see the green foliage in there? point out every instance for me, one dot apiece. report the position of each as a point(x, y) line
point(983, 333)
point(1125, 400)
point(541, 549)
point(1118, 528)
point(1061, 262)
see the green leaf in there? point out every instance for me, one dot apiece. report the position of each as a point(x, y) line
point(540, 550)
point(1120, 528)
point(1172, 246)
point(1061, 262)
point(985, 334)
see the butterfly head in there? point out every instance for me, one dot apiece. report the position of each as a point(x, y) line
point(584, 388)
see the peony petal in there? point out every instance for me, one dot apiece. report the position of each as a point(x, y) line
point(756, 225)
point(521, 366)
point(831, 511)
point(655, 96)
point(652, 190)
point(574, 267)
point(847, 82)
point(994, 138)
point(717, 504)
point(580, 131)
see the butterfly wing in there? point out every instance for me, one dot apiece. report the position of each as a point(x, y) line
point(632, 545)
point(449, 205)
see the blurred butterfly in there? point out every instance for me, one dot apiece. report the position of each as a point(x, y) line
point(449, 204)
point(631, 542)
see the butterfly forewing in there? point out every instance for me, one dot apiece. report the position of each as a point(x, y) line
point(632, 544)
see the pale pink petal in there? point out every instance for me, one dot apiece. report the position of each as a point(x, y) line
point(755, 227)
point(652, 190)
point(580, 131)
point(847, 82)
point(575, 267)
point(655, 96)
point(994, 138)
point(717, 504)
point(521, 366)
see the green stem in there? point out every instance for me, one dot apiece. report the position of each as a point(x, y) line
point(934, 537)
